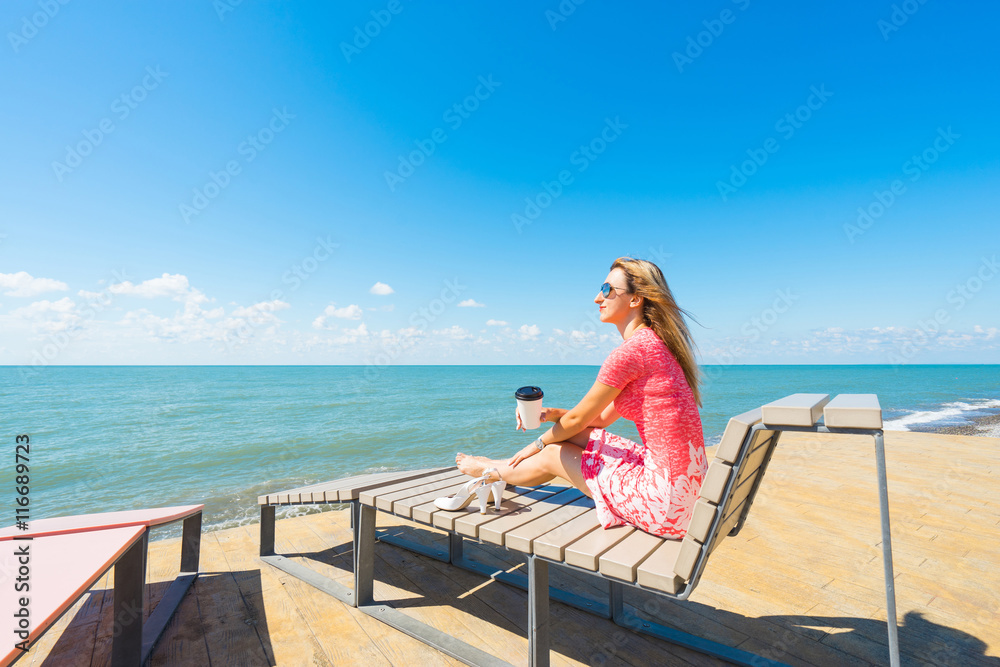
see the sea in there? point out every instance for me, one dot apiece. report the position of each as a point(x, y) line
point(106, 438)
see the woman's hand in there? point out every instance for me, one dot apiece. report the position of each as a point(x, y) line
point(547, 415)
point(527, 452)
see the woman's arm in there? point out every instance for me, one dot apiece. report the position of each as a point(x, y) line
point(607, 417)
point(591, 411)
point(574, 420)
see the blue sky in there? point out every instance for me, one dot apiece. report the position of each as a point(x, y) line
point(406, 182)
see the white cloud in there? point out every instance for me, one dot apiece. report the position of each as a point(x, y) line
point(50, 316)
point(495, 323)
point(63, 305)
point(454, 332)
point(195, 324)
point(23, 284)
point(891, 344)
point(470, 303)
point(259, 311)
point(174, 286)
point(527, 332)
point(360, 332)
point(381, 289)
point(575, 341)
point(351, 312)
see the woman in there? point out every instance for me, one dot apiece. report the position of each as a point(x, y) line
point(651, 379)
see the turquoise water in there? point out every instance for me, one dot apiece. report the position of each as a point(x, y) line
point(117, 437)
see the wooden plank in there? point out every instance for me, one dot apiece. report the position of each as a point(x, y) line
point(277, 497)
point(622, 560)
point(494, 531)
point(794, 410)
point(467, 523)
point(426, 512)
point(702, 517)
point(553, 545)
point(853, 411)
point(657, 570)
point(714, 484)
point(522, 538)
point(585, 551)
point(403, 506)
point(732, 437)
point(382, 496)
point(352, 492)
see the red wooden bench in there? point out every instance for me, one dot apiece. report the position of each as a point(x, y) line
point(46, 568)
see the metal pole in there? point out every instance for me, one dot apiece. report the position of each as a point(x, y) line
point(364, 556)
point(890, 588)
point(267, 530)
point(538, 612)
point(456, 550)
point(130, 575)
point(191, 543)
point(615, 601)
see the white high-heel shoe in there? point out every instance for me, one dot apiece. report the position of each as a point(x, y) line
point(496, 488)
point(482, 488)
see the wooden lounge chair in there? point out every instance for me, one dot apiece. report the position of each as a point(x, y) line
point(65, 556)
point(561, 528)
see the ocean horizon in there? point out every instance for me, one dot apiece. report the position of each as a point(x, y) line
point(113, 437)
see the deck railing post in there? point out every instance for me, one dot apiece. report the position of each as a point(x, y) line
point(890, 589)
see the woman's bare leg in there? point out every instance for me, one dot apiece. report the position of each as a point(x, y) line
point(558, 459)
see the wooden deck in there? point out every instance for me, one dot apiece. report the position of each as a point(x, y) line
point(802, 583)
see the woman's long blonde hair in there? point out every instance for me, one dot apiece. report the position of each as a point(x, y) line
point(661, 313)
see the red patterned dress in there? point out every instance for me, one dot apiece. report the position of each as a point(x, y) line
point(652, 485)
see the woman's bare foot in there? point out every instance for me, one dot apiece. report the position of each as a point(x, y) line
point(474, 466)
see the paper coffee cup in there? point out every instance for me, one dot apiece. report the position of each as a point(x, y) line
point(529, 406)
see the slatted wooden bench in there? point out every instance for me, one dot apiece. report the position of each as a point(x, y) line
point(65, 556)
point(553, 524)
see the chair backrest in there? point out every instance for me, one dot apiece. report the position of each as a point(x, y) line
point(734, 476)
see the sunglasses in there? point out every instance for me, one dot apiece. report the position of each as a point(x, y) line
point(607, 287)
